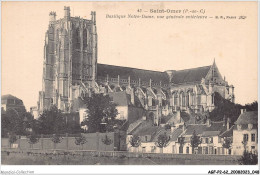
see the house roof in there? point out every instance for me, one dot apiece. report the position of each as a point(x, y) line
point(189, 75)
point(176, 133)
point(9, 96)
point(250, 117)
point(210, 133)
point(228, 133)
point(145, 128)
point(121, 98)
point(198, 128)
point(124, 72)
point(216, 126)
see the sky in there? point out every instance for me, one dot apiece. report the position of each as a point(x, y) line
point(153, 44)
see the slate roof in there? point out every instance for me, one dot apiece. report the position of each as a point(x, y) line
point(250, 117)
point(120, 98)
point(216, 126)
point(9, 96)
point(210, 133)
point(228, 133)
point(176, 133)
point(199, 129)
point(189, 75)
point(124, 72)
point(145, 128)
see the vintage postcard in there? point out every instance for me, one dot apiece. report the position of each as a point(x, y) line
point(129, 83)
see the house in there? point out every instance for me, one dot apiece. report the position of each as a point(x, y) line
point(128, 106)
point(10, 102)
point(245, 133)
point(149, 133)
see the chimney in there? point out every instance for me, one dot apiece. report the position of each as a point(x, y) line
point(144, 117)
point(208, 123)
point(66, 12)
point(132, 96)
point(242, 110)
point(228, 123)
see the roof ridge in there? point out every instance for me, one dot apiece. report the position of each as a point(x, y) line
point(132, 68)
point(193, 68)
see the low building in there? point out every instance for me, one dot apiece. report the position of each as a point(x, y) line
point(245, 133)
point(180, 128)
point(10, 102)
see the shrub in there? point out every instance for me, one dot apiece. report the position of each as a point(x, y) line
point(248, 158)
point(122, 156)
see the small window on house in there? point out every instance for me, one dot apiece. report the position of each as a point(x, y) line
point(245, 138)
point(146, 138)
point(207, 140)
point(253, 137)
point(187, 150)
point(211, 139)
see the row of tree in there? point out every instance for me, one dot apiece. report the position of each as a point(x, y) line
point(80, 140)
point(101, 118)
point(163, 140)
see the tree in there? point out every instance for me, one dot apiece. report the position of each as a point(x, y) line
point(12, 139)
point(227, 142)
point(195, 141)
point(107, 140)
point(32, 139)
point(248, 159)
point(51, 121)
point(224, 107)
point(80, 141)
point(181, 142)
point(244, 142)
point(16, 121)
point(56, 139)
point(162, 141)
point(252, 106)
point(100, 110)
point(135, 141)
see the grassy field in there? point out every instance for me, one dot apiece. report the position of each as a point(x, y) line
point(58, 159)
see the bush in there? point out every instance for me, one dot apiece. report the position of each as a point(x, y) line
point(122, 156)
point(248, 158)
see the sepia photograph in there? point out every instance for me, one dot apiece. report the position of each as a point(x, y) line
point(129, 83)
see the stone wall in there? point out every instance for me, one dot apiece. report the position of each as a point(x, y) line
point(94, 142)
